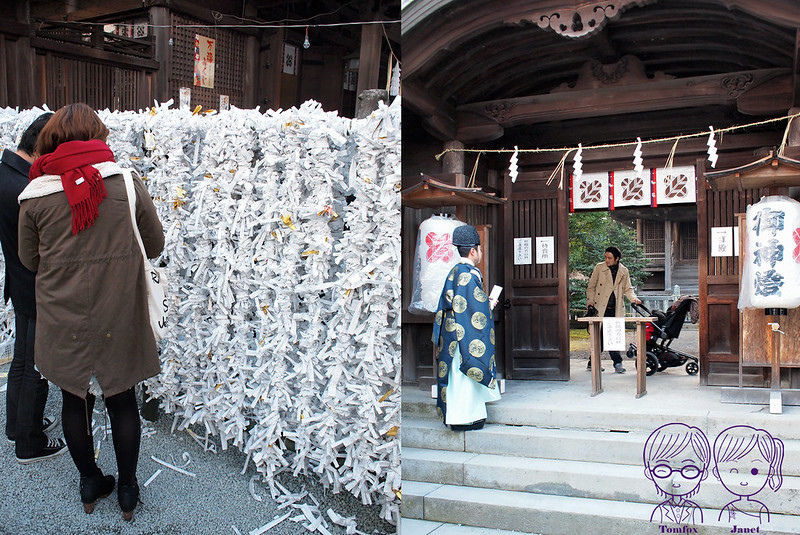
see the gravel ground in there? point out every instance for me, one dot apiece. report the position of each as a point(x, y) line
point(43, 497)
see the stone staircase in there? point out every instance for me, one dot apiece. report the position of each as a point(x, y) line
point(546, 465)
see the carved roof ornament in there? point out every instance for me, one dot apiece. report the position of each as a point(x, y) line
point(736, 85)
point(575, 22)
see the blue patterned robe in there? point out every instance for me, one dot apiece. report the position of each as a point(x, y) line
point(464, 321)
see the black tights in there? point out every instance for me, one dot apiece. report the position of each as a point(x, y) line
point(123, 410)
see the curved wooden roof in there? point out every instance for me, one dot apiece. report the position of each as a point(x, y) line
point(470, 67)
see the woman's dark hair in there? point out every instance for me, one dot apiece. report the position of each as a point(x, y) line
point(73, 122)
point(27, 143)
point(614, 251)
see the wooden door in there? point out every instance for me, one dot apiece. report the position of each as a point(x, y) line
point(536, 313)
point(719, 285)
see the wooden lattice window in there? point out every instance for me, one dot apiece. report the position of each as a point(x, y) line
point(687, 234)
point(229, 63)
point(653, 239)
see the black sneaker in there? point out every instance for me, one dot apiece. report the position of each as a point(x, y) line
point(48, 424)
point(589, 367)
point(54, 448)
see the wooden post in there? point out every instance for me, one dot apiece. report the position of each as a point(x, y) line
point(369, 61)
point(251, 74)
point(161, 20)
point(641, 353)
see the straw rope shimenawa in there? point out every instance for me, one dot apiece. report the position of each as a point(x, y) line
point(567, 150)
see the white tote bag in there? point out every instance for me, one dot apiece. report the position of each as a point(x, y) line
point(156, 277)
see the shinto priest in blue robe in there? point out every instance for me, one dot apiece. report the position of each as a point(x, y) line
point(463, 339)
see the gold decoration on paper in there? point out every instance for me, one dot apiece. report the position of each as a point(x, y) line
point(477, 348)
point(475, 374)
point(287, 220)
point(479, 320)
point(393, 431)
point(459, 304)
point(309, 252)
point(386, 395)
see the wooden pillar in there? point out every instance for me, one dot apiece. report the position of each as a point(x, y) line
point(453, 164)
point(668, 255)
point(369, 61)
point(161, 19)
point(249, 98)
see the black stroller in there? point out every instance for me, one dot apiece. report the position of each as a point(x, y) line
point(660, 335)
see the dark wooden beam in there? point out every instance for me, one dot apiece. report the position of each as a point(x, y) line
point(68, 49)
point(683, 93)
point(438, 117)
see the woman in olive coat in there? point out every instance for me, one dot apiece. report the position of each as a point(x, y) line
point(92, 325)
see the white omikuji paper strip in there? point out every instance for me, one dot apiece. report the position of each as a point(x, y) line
point(283, 254)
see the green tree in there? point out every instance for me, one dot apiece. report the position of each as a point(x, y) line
point(589, 235)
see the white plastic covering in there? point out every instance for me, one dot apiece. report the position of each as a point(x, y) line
point(435, 257)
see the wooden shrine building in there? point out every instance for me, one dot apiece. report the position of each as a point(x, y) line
point(124, 54)
point(550, 74)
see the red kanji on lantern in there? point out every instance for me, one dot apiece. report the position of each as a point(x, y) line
point(796, 236)
point(439, 247)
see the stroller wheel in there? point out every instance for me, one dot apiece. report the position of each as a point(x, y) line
point(692, 368)
point(652, 363)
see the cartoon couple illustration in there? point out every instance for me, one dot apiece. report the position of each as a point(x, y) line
point(677, 458)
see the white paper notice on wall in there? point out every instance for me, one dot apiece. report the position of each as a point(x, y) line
point(722, 241)
point(614, 334)
point(545, 250)
point(522, 251)
point(735, 241)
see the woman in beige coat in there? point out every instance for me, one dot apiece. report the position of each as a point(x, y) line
point(93, 330)
point(610, 281)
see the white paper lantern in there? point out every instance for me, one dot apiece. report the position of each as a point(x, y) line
point(771, 274)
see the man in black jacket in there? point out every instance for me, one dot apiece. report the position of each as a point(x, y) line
point(27, 389)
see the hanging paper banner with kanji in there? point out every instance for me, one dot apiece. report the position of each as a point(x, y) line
point(204, 53)
point(589, 192)
point(674, 186)
point(629, 189)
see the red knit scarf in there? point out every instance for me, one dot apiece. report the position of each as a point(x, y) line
point(82, 183)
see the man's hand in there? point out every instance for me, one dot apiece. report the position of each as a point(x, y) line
point(492, 303)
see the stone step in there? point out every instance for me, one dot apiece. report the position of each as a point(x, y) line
point(567, 444)
point(555, 515)
point(411, 526)
point(618, 410)
point(580, 479)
